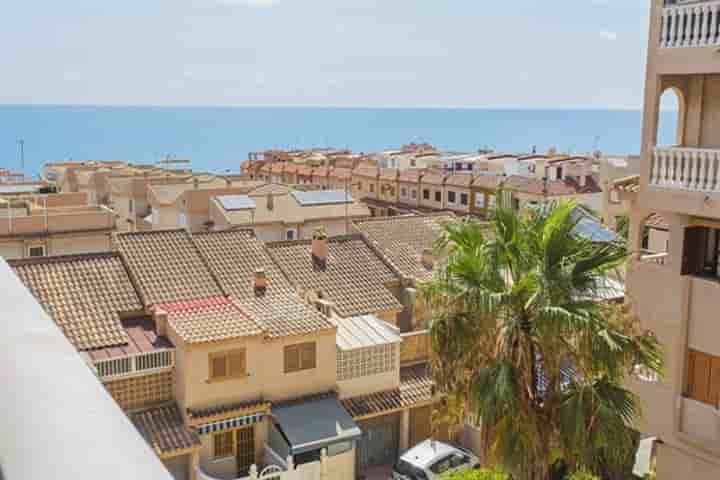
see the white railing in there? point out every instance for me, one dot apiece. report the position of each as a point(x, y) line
point(656, 258)
point(695, 25)
point(137, 363)
point(693, 169)
point(306, 471)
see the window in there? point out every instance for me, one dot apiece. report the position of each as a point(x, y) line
point(413, 162)
point(372, 188)
point(559, 173)
point(701, 252)
point(438, 197)
point(227, 365)
point(451, 196)
point(442, 466)
point(300, 357)
point(703, 377)
point(290, 235)
point(223, 445)
point(36, 251)
point(463, 199)
point(130, 205)
point(413, 194)
point(403, 192)
point(480, 200)
point(426, 194)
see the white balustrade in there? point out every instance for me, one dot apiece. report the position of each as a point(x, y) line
point(134, 364)
point(692, 169)
point(695, 25)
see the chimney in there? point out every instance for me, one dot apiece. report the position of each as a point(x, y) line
point(160, 317)
point(319, 248)
point(270, 201)
point(540, 168)
point(428, 258)
point(228, 182)
point(260, 282)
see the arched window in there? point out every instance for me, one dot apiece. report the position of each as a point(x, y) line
point(671, 118)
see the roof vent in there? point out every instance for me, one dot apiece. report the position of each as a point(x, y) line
point(260, 282)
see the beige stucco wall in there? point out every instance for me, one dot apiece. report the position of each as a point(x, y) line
point(266, 378)
point(673, 463)
point(431, 203)
point(101, 242)
point(341, 466)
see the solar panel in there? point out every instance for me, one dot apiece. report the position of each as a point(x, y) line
point(322, 197)
point(236, 202)
point(591, 229)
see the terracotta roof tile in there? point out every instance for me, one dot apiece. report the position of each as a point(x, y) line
point(84, 295)
point(354, 278)
point(163, 429)
point(460, 180)
point(403, 239)
point(306, 170)
point(196, 415)
point(167, 266)
point(366, 171)
point(434, 178)
point(234, 256)
point(341, 173)
point(416, 387)
point(535, 186)
point(209, 320)
point(390, 174)
point(411, 176)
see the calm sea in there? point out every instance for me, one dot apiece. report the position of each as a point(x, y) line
point(218, 139)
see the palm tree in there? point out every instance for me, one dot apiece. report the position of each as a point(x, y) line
point(522, 340)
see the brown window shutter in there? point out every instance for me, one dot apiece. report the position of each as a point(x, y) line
point(237, 363)
point(693, 250)
point(308, 356)
point(292, 359)
point(218, 367)
point(699, 377)
point(714, 392)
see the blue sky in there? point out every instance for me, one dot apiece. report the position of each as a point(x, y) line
point(457, 53)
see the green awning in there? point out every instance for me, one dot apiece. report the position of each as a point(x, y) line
point(315, 424)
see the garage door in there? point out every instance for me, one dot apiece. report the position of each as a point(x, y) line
point(379, 442)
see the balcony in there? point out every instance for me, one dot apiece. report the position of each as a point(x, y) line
point(687, 169)
point(690, 25)
point(136, 364)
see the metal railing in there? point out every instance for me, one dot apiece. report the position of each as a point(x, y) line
point(134, 364)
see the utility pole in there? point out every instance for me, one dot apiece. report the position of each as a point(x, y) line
point(22, 156)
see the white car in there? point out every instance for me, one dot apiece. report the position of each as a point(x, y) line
point(431, 460)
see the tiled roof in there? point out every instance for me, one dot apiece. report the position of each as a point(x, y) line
point(389, 174)
point(657, 221)
point(365, 171)
point(535, 186)
point(434, 178)
point(416, 388)
point(627, 184)
point(167, 266)
point(321, 172)
point(84, 295)
point(403, 239)
point(460, 180)
point(354, 278)
point(341, 173)
point(163, 429)
point(234, 256)
point(488, 182)
point(209, 320)
point(306, 170)
point(142, 337)
point(412, 176)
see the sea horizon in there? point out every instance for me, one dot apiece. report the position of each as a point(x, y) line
point(218, 138)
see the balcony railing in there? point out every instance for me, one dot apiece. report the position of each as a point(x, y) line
point(691, 169)
point(693, 25)
point(131, 365)
point(655, 258)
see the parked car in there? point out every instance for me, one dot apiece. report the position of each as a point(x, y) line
point(431, 459)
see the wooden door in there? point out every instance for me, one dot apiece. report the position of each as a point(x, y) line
point(245, 451)
point(420, 425)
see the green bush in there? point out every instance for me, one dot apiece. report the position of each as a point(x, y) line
point(482, 474)
point(582, 475)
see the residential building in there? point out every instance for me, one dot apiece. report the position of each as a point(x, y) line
point(277, 212)
point(340, 178)
point(53, 224)
point(222, 365)
point(459, 193)
point(680, 183)
point(432, 190)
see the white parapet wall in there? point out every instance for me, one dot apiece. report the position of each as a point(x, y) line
point(58, 420)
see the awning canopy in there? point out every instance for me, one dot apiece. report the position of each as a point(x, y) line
point(315, 424)
point(365, 331)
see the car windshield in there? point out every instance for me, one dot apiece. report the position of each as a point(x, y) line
point(409, 470)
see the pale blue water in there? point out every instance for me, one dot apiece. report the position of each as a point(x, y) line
point(218, 139)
